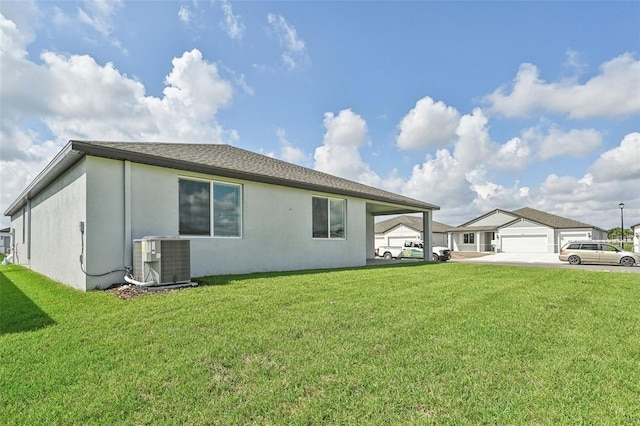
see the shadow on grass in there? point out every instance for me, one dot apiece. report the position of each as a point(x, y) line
point(227, 279)
point(18, 313)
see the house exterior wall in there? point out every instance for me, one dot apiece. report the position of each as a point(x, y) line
point(119, 201)
point(482, 240)
point(599, 234)
point(494, 219)
point(5, 241)
point(399, 234)
point(440, 239)
point(276, 224)
point(457, 239)
point(564, 236)
point(287, 211)
point(18, 227)
point(48, 241)
point(104, 239)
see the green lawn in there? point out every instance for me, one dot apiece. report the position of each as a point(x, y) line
point(445, 343)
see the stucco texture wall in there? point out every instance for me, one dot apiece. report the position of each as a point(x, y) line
point(55, 243)
point(276, 226)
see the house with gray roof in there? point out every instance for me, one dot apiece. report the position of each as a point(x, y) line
point(396, 230)
point(525, 230)
point(240, 211)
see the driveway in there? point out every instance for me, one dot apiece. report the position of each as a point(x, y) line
point(516, 258)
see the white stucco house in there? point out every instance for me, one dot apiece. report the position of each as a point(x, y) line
point(522, 231)
point(5, 240)
point(396, 230)
point(241, 212)
point(635, 231)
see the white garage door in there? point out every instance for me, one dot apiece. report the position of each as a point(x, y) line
point(567, 237)
point(397, 241)
point(524, 244)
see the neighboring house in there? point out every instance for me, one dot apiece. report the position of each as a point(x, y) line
point(5, 240)
point(522, 231)
point(394, 231)
point(635, 231)
point(241, 211)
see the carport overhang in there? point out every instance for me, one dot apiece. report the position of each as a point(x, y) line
point(375, 208)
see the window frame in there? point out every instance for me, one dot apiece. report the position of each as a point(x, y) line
point(469, 238)
point(212, 211)
point(329, 200)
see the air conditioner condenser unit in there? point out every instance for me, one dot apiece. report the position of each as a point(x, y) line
point(163, 260)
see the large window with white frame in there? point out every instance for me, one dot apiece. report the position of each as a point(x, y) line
point(469, 238)
point(329, 217)
point(210, 209)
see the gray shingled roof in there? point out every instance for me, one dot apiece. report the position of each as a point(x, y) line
point(543, 218)
point(410, 221)
point(549, 219)
point(215, 159)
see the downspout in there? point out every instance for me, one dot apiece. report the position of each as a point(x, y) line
point(29, 232)
point(127, 249)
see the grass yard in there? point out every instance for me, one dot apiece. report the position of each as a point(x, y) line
point(446, 343)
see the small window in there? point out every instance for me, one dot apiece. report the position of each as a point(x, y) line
point(328, 217)
point(226, 210)
point(195, 207)
point(573, 246)
point(469, 238)
point(202, 214)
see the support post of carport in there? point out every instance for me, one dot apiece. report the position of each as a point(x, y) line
point(427, 236)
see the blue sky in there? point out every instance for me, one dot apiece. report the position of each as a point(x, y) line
point(471, 106)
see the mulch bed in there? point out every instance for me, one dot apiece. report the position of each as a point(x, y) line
point(129, 291)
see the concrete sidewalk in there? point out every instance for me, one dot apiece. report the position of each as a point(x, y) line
point(515, 257)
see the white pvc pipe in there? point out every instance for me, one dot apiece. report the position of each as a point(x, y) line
point(130, 280)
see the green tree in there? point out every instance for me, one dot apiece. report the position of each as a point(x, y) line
point(614, 233)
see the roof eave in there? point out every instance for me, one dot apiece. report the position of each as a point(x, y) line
point(60, 163)
point(74, 150)
point(108, 152)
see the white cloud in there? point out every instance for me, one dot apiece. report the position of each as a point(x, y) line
point(428, 124)
point(98, 14)
point(514, 155)
point(614, 92)
point(232, 24)
point(612, 178)
point(574, 63)
point(289, 152)
point(461, 180)
point(557, 143)
point(621, 163)
point(73, 97)
point(24, 14)
point(339, 154)
point(439, 180)
point(184, 14)
point(294, 54)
